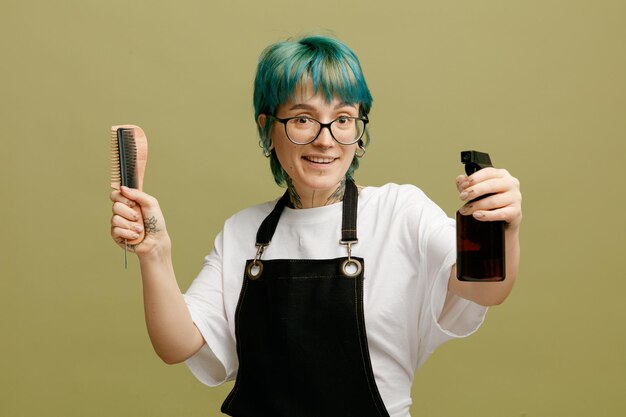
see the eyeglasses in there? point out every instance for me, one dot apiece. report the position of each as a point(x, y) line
point(303, 130)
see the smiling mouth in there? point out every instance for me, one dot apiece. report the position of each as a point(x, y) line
point(319, 160)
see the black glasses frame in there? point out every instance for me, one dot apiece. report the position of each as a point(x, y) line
point(322, 126)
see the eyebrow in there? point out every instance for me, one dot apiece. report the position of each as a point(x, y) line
point(304, 106)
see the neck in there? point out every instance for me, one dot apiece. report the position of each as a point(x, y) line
point(315, 198)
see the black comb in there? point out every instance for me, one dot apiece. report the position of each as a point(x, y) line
point(128, 157)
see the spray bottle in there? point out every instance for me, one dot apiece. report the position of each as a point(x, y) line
point(479, 244)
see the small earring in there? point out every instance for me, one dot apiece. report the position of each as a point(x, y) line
point(361, 151)
point(266, 152)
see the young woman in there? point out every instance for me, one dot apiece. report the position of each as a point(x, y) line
point(326, 301)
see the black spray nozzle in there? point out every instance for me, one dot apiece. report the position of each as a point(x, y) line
point(475, 161)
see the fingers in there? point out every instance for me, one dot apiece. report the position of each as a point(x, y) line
point(500, 192)
point(492, 202)
point(129, 214)
point(117, 197)
point(461, 182)
point(125, 211)
point(486, 173)
point(121, 222)
point(509, 214)
point(146, 201)
point(486, 181)
point(127, 225)
point(133, 205)
point(132, 197)
point(119, 234)
point(464, 181)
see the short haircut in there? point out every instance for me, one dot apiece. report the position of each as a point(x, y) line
point(328, 64)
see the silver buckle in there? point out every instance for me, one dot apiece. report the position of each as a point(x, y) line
point(350, 267)
point(255, 268)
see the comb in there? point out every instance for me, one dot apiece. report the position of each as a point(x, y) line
point(129, 155)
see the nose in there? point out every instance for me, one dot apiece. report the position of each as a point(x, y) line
point(324, 139)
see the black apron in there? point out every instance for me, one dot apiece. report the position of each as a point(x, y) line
point(300, 332)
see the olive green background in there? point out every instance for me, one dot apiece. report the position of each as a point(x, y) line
point(540, 84)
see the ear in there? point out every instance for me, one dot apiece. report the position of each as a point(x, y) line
point(261, 120)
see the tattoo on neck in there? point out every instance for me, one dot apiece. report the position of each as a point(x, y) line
point(296, 202)
point(337, 195)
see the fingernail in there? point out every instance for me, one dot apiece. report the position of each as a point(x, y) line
point(465, 194)
point(130, 203)
point(138, 227)
point(135, 236)
point(465, 184)
point(465, 209)
point(479, 215)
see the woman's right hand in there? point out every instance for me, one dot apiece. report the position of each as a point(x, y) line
point(173, 334)
point(127, 225)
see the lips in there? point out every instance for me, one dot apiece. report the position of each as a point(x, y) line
point(319, 159)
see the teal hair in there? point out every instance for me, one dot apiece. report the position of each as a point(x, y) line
point(328, 64)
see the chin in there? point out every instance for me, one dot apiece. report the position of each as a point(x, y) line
point(320, 185)
point(321, 182)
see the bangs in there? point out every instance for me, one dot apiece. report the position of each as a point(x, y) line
point(326, 65)
point(330, 77)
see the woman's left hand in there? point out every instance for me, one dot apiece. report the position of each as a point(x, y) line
point(504, 200)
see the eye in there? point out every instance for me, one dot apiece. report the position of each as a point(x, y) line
point(344, 122)
point(301, 123)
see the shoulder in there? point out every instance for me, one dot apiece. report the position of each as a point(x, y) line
point(249, 218)
point(394, 196)
point(401, 203)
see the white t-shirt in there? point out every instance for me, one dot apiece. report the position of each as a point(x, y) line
point(408, 246)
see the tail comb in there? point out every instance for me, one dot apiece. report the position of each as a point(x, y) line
point(129, 155)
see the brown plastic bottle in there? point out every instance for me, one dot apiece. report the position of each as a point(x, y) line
point(479, 245)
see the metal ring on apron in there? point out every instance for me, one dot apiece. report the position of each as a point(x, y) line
point(250, 271)
point(346, 267)
point(256, 262)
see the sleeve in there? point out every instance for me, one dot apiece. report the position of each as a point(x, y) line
point(445, 316)
point(216, 361)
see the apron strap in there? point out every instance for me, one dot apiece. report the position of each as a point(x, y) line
point(348, 226)
point(268, 227)
point(348, 220)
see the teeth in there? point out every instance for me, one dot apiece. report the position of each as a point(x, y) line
point(319, 160)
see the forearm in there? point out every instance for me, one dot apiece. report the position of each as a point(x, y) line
point(170, 327)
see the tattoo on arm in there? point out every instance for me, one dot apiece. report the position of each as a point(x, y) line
point(150, 227)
